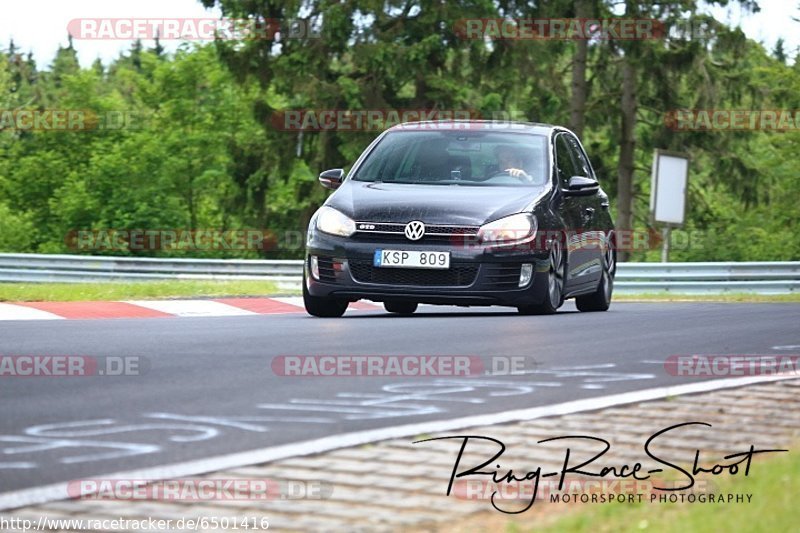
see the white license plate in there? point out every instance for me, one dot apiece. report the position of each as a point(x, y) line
point(411, 259)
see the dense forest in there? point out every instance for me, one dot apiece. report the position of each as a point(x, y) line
point(189, 139)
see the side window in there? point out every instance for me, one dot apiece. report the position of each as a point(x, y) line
point(564, 163)
point(581, 164)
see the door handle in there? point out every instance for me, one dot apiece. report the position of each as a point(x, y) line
point(604, 205)
point(588, 211)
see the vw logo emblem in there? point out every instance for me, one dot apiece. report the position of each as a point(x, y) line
point(414, 230)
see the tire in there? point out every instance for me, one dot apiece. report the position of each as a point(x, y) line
point(401, 308)
point(322, 306)
point(556, 274)
point(600, 300)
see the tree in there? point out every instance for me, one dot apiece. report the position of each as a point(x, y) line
point(779, 52)
point(579, 88)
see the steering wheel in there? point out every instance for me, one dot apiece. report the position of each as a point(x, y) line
point(523, 177)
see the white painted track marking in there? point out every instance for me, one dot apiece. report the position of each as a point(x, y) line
point(20, 312)
point(192, 308)
point(296, 301)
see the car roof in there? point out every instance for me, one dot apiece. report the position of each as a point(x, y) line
point(499, 126)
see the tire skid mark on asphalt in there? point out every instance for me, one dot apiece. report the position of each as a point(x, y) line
point(67, 435)
point(245, 423)
point(106, 427)
point(17, 465)
point(787, 347)
point(41, 444)
point(393, 401)
point(593, 374)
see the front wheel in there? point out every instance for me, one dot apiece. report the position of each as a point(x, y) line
point(322, 306)
point(401, 308)
point(600, 300)
point(556, 274)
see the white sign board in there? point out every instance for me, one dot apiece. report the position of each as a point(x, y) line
point(668, 188)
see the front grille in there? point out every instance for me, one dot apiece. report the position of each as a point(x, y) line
point(502, 275)
point(394, 232)
point(454, 240)
point(458, 275)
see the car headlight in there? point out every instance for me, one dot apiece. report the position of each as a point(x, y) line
point(514, 228)
point(329, 220)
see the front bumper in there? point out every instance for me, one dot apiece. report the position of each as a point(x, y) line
point(477, 275)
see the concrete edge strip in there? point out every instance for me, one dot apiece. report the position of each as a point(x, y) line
point(58, 491)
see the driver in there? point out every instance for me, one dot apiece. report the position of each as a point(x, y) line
point(509, 160)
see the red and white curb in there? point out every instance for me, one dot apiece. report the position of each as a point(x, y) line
point(161, 308)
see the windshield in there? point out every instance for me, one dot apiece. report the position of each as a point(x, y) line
point(458, 158)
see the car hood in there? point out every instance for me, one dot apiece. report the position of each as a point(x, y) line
point(432, 204)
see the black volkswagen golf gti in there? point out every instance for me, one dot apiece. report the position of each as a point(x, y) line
point(463, 213)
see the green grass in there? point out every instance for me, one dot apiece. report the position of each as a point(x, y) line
point(726, 297)
point(774, 484)
point(68, 292)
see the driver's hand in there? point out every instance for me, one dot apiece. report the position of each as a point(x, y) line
point(518, 173)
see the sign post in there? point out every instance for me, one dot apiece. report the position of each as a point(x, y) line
point(668, 191)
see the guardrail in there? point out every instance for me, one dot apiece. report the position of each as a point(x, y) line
point(708, 278)
point(35, 268)
point(679, 278)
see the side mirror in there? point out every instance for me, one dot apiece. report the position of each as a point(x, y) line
point(581, 186)
point(331, 179)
